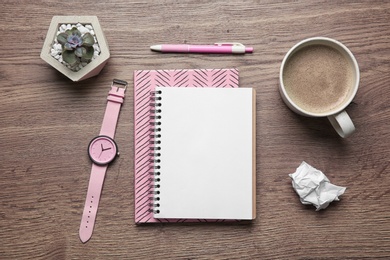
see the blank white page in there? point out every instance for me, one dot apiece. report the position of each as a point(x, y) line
point(207, 156)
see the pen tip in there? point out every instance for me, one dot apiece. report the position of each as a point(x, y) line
point(248, 49)
point(155, 47)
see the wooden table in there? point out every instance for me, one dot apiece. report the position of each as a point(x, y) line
point(47, 122)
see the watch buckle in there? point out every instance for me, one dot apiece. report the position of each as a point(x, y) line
point(119, 83)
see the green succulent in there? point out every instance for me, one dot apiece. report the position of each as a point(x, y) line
point(76, 47)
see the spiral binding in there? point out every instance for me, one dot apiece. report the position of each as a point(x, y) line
point(155, 141)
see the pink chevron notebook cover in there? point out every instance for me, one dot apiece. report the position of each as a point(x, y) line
point(145, 81)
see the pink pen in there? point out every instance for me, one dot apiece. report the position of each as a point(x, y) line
point(230, 48)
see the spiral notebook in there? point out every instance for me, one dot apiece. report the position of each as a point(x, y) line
point(145, 186)
point(204, 153)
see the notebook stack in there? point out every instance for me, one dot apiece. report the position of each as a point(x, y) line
point(195, 146)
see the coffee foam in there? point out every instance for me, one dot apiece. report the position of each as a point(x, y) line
point(318, 78)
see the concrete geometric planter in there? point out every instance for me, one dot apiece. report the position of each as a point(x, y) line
point(94, 67)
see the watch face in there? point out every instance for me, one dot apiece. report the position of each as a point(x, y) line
point(102, 150)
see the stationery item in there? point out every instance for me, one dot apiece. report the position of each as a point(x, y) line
point(224, 48)
point(319, 77)
point(102, 150)
point(145, 82)
point(314, 188)
point(204, 153)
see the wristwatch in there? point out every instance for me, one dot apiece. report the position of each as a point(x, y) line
point(101, 150)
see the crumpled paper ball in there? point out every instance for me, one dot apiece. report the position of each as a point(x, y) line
point(313, 187)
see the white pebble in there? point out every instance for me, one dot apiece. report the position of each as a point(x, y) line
point(95, 47)
point(57, 56)
point(63, 27)
point(83, 30)
point(92, 32)
point(95, 54)
point(84, 63)
point(57, 47)
point(78, 25)
point(53, 52)
point(68, 27)
point(89, 26)
point(60, 59)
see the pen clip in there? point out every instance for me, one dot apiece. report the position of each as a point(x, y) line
point(228, 44)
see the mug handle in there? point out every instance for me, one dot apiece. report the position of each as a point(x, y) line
point(342, 123)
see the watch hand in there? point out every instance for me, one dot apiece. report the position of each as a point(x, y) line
point(107, 149)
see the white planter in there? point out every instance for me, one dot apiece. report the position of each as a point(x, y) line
point(91, 69)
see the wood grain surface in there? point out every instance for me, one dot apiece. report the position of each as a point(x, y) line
point(46, 122)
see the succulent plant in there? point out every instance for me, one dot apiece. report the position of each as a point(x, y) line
point(76, 47)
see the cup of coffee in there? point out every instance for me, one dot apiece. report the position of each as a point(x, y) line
point(319, 77)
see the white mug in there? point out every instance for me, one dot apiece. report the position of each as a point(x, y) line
point(337, 116)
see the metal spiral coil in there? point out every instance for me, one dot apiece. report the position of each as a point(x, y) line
point(155, 149)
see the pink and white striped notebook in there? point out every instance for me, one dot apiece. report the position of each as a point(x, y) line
point(145, 82)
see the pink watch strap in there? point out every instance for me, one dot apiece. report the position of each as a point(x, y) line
point(114, 103)
point(115, 99)
point(92, 201)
